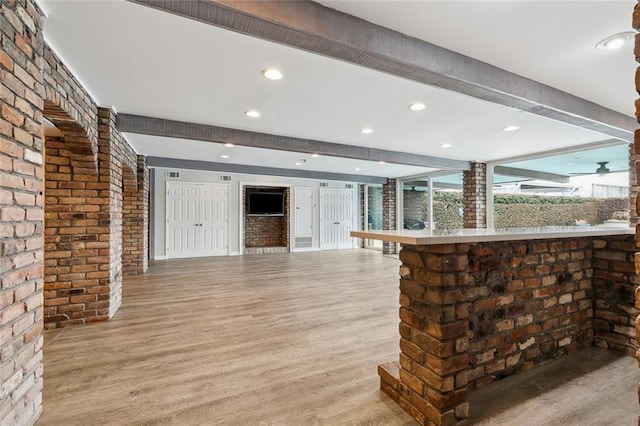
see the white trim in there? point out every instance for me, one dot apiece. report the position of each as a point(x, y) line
point(489, 197)
point(159, 258)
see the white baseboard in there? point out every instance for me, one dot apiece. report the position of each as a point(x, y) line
point(234, 253)
point(159, 257)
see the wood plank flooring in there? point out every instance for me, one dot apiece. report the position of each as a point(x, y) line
point(276, 339)
point(286, 339)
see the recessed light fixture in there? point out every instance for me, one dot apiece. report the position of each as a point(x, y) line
point(252, 113)
point(229, 145)
point(382, 162)
point(366, 131)
point(315, 155)
point(615, 41)
point(511, 128)
point(357, 169)
point(224, 156)
point(446, 145)
point(418, 106)
point(272, 74)
point(300, 162)
point(569, 163)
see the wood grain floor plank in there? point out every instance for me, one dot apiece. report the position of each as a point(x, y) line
point(268, 340)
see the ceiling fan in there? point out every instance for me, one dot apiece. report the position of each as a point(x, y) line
point(602, 169)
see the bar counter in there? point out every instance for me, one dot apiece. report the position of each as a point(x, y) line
point(477, 305)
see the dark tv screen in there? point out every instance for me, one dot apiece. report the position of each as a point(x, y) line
point(266, 203)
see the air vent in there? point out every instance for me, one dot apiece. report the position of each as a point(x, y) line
point(225, 178)
point(172, 175)
point(324, 184)
point(304, 242)
point(349, 186)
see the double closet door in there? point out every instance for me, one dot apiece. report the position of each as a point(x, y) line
point(336, 218)
point(197, 219)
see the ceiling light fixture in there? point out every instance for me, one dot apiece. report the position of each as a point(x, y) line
point(511, 128)
point(229, 145)
point(446, 145)
point(252, 113)
point(300, 162)
point(224, 156)
point(382, 162)
point(615, 41)
point(418, 106)
point(357, 169)
point(366, 131)
point(315, 155)
point(272, 74)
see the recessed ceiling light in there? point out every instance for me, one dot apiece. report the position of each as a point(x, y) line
point(224, 156)
point(418, 106)
point(357, 169)
point(297, 163)
point(229, 145)
point(381, 162)
point(272, 74)
point(511, 128)
point(446, 145)
point(252, 113)
point(315, 155)
point(569, 163)
point(615, 41)
point(366, 131)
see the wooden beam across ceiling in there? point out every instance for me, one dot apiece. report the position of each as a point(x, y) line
point(129, 123)
point(312, 27)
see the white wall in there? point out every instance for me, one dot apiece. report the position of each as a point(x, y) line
point(158, 210)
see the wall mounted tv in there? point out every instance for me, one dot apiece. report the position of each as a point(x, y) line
point(265, 203)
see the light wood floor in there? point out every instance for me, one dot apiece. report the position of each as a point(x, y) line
point(265, 339)
point(286, 339)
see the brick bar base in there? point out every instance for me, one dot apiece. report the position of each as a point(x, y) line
point(471, 314)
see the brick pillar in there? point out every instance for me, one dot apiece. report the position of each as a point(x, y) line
point(635, 175)
point(430, 381)
point(110, 155)
point(474, 194)
point(135, 221)
point(21, 214)
point(389, 200)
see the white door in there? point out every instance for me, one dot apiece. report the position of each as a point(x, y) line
point(336, 218)
point(214, 219)
point(303, 231)
point(197, 219)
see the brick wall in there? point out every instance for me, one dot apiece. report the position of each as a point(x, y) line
point(389, 220)
point(76, 236)
point(528, 301)
point(474, 193)
point(634, 186)
point(135, 221)
point(614, 284)
point(21, 219)
point(471, 314)
point(266, 231)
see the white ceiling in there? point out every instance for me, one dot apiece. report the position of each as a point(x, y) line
point(146, 62)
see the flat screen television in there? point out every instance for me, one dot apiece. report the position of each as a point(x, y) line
point(265, 203)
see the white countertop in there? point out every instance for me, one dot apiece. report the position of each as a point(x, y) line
point(443, 236)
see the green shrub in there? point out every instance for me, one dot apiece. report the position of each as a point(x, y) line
point(514, 210)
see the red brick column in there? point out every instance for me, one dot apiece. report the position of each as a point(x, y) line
point(389, 219)
point(431, 380)
point(21, 215)
point(135, 221)
point(474, 194)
